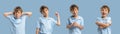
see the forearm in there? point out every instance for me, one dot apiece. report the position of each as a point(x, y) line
point(58, 20)
point(8, 13)
point(104, 25)
point(69, 26)
point(80, 27)
point(37, 31)
point(107, 24)
point(100, 25)
point(27, 13)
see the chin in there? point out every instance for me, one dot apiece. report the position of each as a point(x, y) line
point(18, 17)
point(104, 16)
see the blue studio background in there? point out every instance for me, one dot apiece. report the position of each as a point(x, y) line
point(88, 9)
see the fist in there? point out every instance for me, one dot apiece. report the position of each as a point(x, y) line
point(57, 14)
point(75, 24)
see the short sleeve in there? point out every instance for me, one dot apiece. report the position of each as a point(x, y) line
point(109, 20)
point(24, 16)
point(69, 21)
point(9, 17)
point(82, 21)
point(38, 24)
point(98, 19)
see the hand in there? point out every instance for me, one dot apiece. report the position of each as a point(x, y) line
point(27, 13)
point(7, 13)
point(100, 27)
point(57, 14)
point(75, 24)
point(78, 25)
point(58, 18)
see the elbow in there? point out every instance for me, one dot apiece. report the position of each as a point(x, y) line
point(58, 24)
point(68, 26)
point(107, 25)
point(5, 14)
point(30, 13)
point(82, 28)
point(37, 30)
point(96, 23)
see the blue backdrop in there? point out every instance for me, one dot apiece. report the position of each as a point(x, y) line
point(88, 9)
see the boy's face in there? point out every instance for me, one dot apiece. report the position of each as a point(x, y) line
point(104, 12)
point(45, 12)
point(74, 11)
point(18, 14)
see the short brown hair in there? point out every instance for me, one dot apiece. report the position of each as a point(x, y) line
point(73, 6)
point(42, 8)
point(105, 6)
point(18, 8)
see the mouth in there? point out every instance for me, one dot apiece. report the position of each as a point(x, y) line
point(103, 13)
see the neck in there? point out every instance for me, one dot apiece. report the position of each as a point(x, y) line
point(16, 18)
point(46, 16)
point(104, 16)
point(75, 16)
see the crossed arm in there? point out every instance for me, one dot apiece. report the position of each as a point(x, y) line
point(103, 25)
point(37, 30)
point(24, 13)
point(75, 25)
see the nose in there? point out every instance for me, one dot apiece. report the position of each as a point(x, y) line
point(17, 13)
point(74, 11)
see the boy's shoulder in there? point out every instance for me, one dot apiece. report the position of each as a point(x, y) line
point(99, 18)
point(70, 17)
point(10, 16)
point(80, 17)
point(109, 18)
point(40, 18)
